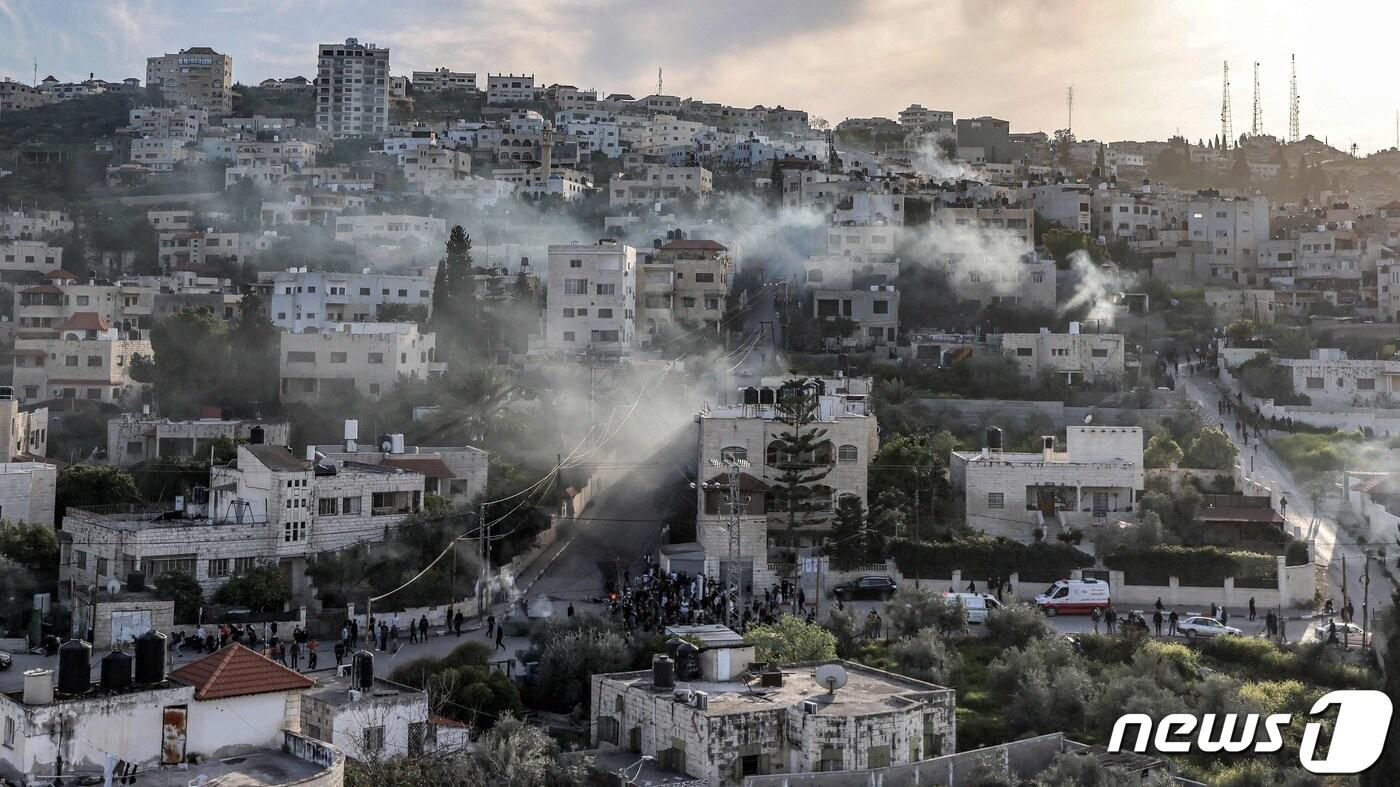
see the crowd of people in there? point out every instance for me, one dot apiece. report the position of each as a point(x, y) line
point(656, 599)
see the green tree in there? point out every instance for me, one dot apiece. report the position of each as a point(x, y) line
point(1016, 626)
point(1162, 451)
point(1240, 332)
point(89, 485)
point(926, 656)
point(191, 361)
point(790, 640)
point(799, 453)
point(455, 310)
point(250, 387)
point(1211, 450)
point(1294, 343)
point(185, 591)
point(17, 588)
point(32, 545)
point(570, 657)
point(851, 544)
point(261, 589)
point(912, 610)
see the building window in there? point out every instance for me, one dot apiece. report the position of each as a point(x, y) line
point(328, 506)
point(218, 567)
point(996, 500)
point(101, 567)
point(576, 286)
point(1365, 383)
point(606, 289)
point(1024, 352)
point(734, 453)
point(9, 732)
point(242, 565)
point(293, 531)
point(1315, 383)
point(159, 566)
point(338, 357)
point(374, 740)
point(301, 356)
point(80, 559)
point(1099, 352)
point(349, 505)
point(877, 757)
point(376, 358)
point(847, 453)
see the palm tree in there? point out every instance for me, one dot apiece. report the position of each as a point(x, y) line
point(473, 399)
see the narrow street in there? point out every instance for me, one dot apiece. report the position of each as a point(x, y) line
point(1332, 545)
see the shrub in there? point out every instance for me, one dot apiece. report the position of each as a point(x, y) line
point(1297, 554)
point(567, 662)
point(979, 558)
point(1016, 626)
point(911, 611)
point(185, 591)
point(927, 657)
point(261, 589)
point(791, 639)
point(1197, 566)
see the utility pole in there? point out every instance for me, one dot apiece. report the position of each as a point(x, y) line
point(483, 534)
point(733, 574)
point(1345, 638)
point(1069, 109)
point(1365, 603)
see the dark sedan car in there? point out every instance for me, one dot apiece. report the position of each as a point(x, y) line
point(879, 587)
point(5, 660)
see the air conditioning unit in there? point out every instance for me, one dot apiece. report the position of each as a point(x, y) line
point(682, 695)
point(702, 699)
point(809, 707)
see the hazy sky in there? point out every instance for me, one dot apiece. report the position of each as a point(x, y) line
point(1140, 70)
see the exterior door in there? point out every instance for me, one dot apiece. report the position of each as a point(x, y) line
point(1100, 505)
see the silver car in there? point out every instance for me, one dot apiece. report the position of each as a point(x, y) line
point(1202, 626)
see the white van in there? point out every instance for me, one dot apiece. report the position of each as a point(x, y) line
point(978, 605)
point(1073, 596)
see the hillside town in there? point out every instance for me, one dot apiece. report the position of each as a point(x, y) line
point(368, 425)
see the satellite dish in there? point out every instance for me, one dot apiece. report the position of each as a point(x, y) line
point(832, 676)
point(114, 586)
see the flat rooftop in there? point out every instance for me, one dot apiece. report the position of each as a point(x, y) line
point(334, 689)
point(867, 691)
point(257, 768)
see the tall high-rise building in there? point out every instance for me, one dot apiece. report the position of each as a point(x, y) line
point(197, 77)
point(352, 89)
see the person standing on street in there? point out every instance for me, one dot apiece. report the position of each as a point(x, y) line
point(423, 629)
point(1096, 615)
point(490, 626)
point(1171, 623)
point(500, 635)
point(1157, 621)
point(1251, 607)
point(458, 621)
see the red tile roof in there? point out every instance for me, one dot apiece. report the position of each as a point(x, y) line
point(86, 321)
point(59, 273)
point(44, 288)
point(237, 671)
point(429, 466)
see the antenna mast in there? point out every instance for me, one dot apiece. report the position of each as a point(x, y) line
point(1069, 108)
point(1226, 128)
point(1293, 98)
point(658, 83)
point(1257, 129)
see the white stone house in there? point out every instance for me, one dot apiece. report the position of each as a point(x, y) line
point(369, 357)
point(1012, 494)
point(132, 438)
point(1328, 377)
point(592, 298)
point(304, 299)
point(1076, 356)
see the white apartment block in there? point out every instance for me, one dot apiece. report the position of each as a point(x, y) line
point(592, 298)
point(658, 184)
point(394, 235)
point(352, 89)
point(1075, 356)
point(305, 300)
point(88, 359)
point(748, 430)
point(197, 77)
point(367, 357)
point(170, 220)
point(510, 88)
point(1330, 255)
point(603, 139)
point(1388, 290)
point(180, 249)
point(433, 169)
point(700, 287)
point(1098, 475)
point(317, 208)
point(159, 154)
point(1120, 214)
point(33, 224)
point(273, 507)
point(1329, 378)
point(458, 473)
point(27, 492)
point(1234, 228)
point(178, 122)
point(293, 153)
point(1067, 205)
point(18, 256)
point(443, 78)
point(1015, 224)
point(1242, 304)
point(709, 730)
point(866, 243)
point(836, 272)
point(919, 116)
point(132, 438)
point(17, 96)
point(1026, 282)
point(24, 432)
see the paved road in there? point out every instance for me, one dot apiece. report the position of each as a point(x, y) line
point(1331, 543)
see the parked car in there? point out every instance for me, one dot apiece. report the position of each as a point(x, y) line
point(1347, 633)
point(1202, 626)
point(6, 661)
point(877, 587)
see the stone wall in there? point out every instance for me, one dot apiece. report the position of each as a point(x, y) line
point(1022, 760)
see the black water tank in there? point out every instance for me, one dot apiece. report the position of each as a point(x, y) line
point(362, 670)
point(750, 395)
point(116, 671)
point(150, 658)
point(136, 582)
point(74, 667)
point(663, 672)
point(994, 438)
point(257, 435)
point(687, 662)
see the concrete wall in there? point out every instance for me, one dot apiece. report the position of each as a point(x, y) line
point(323, 754)
point(256, 720)
point(1021, 759)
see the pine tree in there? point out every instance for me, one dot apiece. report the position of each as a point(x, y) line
point(799, 454)
point(849, 547)
point(454, 292)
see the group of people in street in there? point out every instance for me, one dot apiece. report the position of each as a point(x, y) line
point(657, 599)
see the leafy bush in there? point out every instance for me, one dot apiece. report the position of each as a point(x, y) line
point(1016, 626)
point(978, 558)
point(912, 610)
point(261, 589)
point(926, 656)
point(1196, 566)
point(1314, 662)
point(790, 640)
point(1297, 554)
point(567, 662)
point(185, 591)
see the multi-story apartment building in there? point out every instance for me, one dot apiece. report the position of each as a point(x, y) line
point(1026, 281)
point(367, 357)
point(197, 248)
point(272, 507)
point(312, 208)
point(305, 300)
point(195, 77)
point(434, 169)
point(398, 231)
point(510, 88)
point(352, 89)
point(1013, 224)
point(17, 96)
point(700, 287)
point(458, 473)
point(919, 116)
point(657, 184)
point(182, 123)
point(1119, 214)
point(158, 154)
point(443, 78)
point(1329, 377)
point(872, 314)
point(870, 243)
point(991, 135)
point(33, 224)
point(1008, 494)
point(17, 256)
point(592, 298)
point(1330, 258)
point(132, 438)
point(749, 431)
point(1234, 228)
point(1077, 357)
point(86, 359)
point(1065, 204)
point(1388, 290)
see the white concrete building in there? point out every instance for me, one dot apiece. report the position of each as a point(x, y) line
point(592, 298)
point(458, 473)
point(385, 721)
point(873, 312)
point(132, 438)
point(18, 256)
point(1076, 357)
point(510, 88)
point(1388, 290)
point(27, 492)
point(88, 359)
point(658, 184)
point(269, 508)
point(748, 430)
point(305, 300)
point(198, 77)
point(1328, 377)
point(33, 224)
point(368, 357)
point(1027, 282)
point(352, 89)
point(1098, 475)
point(1234, 228)
point(176, 122)
point(708, 727)
point(1065, 204)
point(443, 78)
point(393, 237)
